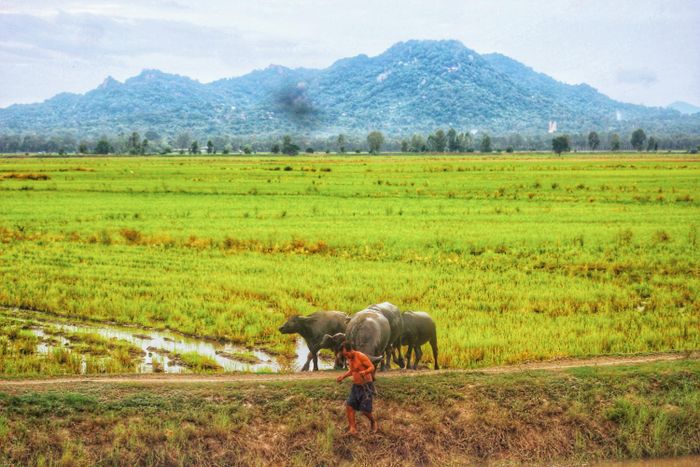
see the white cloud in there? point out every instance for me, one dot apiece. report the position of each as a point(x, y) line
point(636, 76)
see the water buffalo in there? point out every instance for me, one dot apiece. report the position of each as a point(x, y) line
point(334, 342)
point(312, 328)
point(368, 331)
point(392, 313)
point(419, 328)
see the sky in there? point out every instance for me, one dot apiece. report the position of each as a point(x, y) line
point(637, 51)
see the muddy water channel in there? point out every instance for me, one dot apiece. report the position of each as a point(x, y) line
point(162, 351)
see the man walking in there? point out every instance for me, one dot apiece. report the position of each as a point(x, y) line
point(361, 369)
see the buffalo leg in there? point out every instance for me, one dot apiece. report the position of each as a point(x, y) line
point(313, 353)
point(408, 355)
point(399, 360)
point(308, 362)
point(339, 362)
point(419, 355)
point(433, 345)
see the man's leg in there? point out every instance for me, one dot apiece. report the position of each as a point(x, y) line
point(374, 425)
point(350, 412)
point(366, 406)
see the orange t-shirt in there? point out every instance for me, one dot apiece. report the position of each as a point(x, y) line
point(360, 362)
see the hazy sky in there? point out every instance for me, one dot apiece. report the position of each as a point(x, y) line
point(638, 51)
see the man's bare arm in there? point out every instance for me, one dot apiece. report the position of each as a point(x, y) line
point(344, 375)
point(369, 366)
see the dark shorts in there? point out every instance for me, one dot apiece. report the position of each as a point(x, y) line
point(361, 396)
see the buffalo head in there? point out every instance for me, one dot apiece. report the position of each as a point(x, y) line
point(334, 343)
point(293, 324)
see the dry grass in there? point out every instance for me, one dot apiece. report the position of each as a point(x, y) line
point(579, 415)
point(25, 176)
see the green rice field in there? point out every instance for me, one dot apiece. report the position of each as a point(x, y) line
point(517, 258)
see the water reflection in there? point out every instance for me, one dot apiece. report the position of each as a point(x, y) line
point(156, 345)
point(161, 347)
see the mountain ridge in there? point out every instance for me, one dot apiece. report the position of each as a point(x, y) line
point(413, 86)
point(685, 108)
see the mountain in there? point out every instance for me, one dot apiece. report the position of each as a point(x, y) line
point(414, 86)
point(684, 108)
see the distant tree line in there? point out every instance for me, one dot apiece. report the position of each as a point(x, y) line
point(639, 141)
point(439, 141)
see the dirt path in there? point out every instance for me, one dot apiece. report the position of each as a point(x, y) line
point(553, 365)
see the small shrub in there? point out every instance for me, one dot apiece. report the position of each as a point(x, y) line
point(198, 363)
point(230, 243)
point(26, 176)
point(476, 355)
point(661, 236)
point(624, 237)
point(104, 237)
point(501, 249)
point(157, 365)
point(132, 236)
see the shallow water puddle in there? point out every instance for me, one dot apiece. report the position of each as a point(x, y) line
point(163, 345)
point(325, 361)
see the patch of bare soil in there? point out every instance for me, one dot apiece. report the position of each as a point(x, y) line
point(552, 365)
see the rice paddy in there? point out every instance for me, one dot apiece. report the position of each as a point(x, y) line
point(517, 258)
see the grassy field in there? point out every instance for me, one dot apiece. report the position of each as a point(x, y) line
point(516, 257)
point(561, 418)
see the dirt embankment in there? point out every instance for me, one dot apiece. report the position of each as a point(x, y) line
point(553, 365)
point(602, 409)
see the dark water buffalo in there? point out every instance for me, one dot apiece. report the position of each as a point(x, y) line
point(368, 331)
point(392, 313)
point(312, 328)
point(334, 342)
point(419, 328)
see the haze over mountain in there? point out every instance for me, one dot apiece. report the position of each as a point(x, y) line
point(414, 86)
point(684, 107)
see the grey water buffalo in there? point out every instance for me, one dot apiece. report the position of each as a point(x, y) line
point(367, 331)
point(392, 313)
point(312, 328)
point(419, 328)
